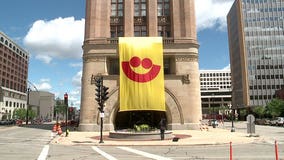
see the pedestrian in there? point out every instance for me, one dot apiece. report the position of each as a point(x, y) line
point(162, 125)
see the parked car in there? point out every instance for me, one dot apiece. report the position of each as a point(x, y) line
point(278, 121)
point(212, 122)
point(262, 121)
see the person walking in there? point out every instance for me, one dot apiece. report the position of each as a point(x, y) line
point(162, 125)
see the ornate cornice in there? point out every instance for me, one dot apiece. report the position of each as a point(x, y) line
point(94, 59)
point(192, 58)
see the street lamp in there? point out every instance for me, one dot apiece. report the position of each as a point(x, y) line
point(214, 115)
point(232, 117)
point(28, 103)
point(66, 105)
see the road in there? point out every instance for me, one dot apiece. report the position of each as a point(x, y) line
point(30, 143)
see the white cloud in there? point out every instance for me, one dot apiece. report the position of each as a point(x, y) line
point(44, 85)
point(76, 64)
point(57, 38)
point(228, 67)
point(76, 80)
point(44, 58)
point(212, 13)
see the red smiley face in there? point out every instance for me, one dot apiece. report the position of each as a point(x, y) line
point(136, 62)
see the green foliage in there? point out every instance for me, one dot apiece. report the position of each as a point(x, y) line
point(275, 108)
point(20, 113)
point(259, 111)
point(32, 114)
point(60, 107)
point(142, 128)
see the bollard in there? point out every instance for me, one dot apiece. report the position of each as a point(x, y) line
point(276, 150)
point(231, 151)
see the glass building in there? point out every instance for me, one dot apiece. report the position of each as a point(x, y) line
point(256, 42)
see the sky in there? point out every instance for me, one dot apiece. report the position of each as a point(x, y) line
point(52, 31)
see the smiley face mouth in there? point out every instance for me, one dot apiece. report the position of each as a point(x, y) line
point(137, 77)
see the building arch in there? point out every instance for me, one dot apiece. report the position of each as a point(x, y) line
point(174, 114)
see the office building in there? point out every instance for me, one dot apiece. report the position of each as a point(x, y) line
point(42, 103)
point(256, 42)
point(171, 19)
point(14, 62)
point(215, 90)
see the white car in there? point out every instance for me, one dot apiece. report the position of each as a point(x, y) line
point(278, 121)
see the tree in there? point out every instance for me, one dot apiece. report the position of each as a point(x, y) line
point(275, 107)
point(32, 114)
point(259, 111)
point(20, 113)
point(60, 107)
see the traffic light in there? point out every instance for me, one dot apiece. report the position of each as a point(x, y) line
point(66, 99)
point(104, 93)
point(99, 90)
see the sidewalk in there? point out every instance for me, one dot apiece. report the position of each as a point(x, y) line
point(187, 137)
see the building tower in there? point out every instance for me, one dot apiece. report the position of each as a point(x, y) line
point(256, 39)
point(175, 22)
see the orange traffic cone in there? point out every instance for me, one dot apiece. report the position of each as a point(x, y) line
point(59, 130)
point(54, 129)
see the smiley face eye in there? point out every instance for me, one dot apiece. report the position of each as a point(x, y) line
point(147, 63)
point(135, 61)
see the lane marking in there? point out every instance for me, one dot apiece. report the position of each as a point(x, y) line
point(145, 154)
point(107, 156)
point(44, 152)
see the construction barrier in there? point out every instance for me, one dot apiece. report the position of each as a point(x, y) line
point(231, 151)
point(276, 150)
point(59, 130)
point(54, 129)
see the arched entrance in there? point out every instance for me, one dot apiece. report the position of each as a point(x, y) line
point(127, 119)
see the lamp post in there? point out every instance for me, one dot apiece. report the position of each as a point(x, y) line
point(232, 117)
point(66, 104)
point(28, 103)
point(214, 115)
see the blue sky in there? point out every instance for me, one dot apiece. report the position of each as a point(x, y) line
point(43, 26)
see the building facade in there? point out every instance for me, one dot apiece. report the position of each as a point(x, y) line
point(42, 103)
point(256, 42)
point(215, 90)
point(13, 76)
point(175, 22)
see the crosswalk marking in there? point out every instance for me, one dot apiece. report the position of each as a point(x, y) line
point(44, 152)
point(145, 154)
point(109, 157)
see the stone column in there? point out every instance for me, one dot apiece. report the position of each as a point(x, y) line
point(152, 19)
point(128, 18)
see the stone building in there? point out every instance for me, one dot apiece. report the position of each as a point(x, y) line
point(173, 20)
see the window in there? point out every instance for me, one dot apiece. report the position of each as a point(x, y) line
point(117, 8)
point(116, 31)
point(140, 31)
point(140, 8)
point(163, 8)
point(116, 25)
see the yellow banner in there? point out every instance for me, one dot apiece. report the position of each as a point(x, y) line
point(141, 74)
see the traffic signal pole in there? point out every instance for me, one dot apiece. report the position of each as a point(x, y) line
point(101, 97)
point(66, 104)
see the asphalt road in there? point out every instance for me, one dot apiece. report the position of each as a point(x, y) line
point(30, 143)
